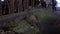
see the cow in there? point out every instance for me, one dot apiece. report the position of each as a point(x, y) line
point(48, 2)
point(36, 3)
point(54, 2)
point(43, 4)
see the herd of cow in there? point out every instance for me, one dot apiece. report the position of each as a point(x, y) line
point(53, 3)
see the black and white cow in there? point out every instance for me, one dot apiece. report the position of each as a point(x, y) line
point(43, 3)
point(54, 3)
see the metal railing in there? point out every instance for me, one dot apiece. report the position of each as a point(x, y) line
point(14, 6)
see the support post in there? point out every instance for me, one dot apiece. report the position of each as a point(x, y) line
point(0, 8)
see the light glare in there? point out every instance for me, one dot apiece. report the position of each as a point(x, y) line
point(2, 0)
point(58, 3)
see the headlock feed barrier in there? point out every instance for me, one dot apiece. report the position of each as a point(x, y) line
point(15, 6)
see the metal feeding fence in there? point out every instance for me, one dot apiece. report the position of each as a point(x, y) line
point(14, 6)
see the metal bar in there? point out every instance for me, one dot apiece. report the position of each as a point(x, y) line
point(0, 8)
point(19, 6)
point(32, 3)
